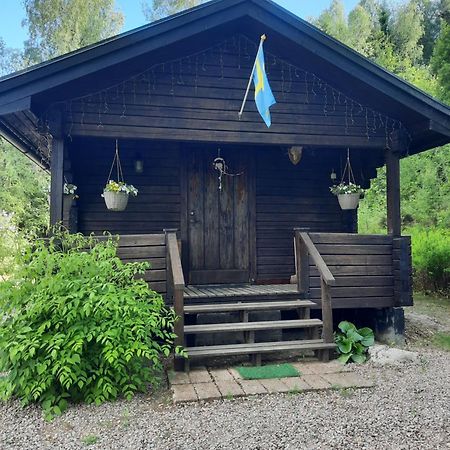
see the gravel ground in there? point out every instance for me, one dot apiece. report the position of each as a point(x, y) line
point(409, 409)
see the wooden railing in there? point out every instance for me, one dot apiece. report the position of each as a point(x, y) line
point(175, 283)
point(305, 248)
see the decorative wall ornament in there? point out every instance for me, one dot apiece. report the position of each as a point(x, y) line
point(295, 154)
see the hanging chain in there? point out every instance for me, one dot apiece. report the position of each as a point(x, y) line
point(116, 162)
point(348, 169)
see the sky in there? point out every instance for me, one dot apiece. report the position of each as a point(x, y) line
point(12, 14)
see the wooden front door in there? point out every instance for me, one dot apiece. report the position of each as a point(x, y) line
point(218, 220)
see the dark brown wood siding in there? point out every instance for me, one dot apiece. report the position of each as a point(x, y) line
point(198, 99)
point(362, 266)
point(289, 196)
point(156, 207)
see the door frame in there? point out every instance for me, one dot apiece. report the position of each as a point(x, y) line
point(185, 148)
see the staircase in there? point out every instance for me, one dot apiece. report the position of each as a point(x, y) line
point(246, 301)
point(229, 301)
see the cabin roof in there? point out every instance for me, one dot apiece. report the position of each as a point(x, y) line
point(427, 118)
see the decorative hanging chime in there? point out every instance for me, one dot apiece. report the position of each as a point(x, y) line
point(220, 165)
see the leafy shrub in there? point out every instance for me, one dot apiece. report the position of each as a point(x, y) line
point(353, 343)
point(78, 325)
point(431, 259)
point(11, 242)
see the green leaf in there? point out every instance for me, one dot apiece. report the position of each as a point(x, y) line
point(368, 338)
point(344, 358)
point(345, 326)
point(345, 345)
point(359, 359)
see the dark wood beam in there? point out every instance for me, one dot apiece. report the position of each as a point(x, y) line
point(21, 104)
point(393, 192)
point(57, 181)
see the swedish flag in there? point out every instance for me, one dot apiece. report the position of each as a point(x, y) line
point(264, 98)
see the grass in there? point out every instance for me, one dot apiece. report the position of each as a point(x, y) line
point(442, 340)
point(90, 439)
point(438, 308)
point(267, 372)
point(434, 306)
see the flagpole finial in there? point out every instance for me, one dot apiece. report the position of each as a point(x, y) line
point(263, 37)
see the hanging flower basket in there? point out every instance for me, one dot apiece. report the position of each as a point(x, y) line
point(69, 196)
point(348, 193)
point(348, 201)
point(116, 193)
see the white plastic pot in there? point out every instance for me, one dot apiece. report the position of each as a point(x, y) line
point(68, 200)
point(115, 201)
point(348, 201)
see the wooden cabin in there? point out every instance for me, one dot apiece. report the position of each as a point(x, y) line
point(265, 247)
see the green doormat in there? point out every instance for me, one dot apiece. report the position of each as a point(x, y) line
point(266, 372)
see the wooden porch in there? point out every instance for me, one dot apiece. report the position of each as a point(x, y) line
point(333, 270)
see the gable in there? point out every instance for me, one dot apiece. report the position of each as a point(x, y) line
point(302, 48)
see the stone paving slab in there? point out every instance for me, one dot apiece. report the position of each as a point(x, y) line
point(316, 382)
point(347, 380)
point(213, 384)
point(318, 368)
point(230, 388)
point(252, 387)
point(184, 393)
point(275, 386)
point(178, 378)
point(207, 391)
point(200, 375)
point(296, 384)
point(221, 375)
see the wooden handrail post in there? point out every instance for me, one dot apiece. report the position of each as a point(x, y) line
point(301, 262)
point(175, 283)
point(327, 312)
point(305, 248)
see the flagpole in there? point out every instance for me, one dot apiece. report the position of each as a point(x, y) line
point(263, 38)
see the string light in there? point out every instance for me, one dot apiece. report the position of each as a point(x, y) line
point(313, 85)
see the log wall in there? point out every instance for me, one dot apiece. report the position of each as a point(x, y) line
point(289, 197)
point(157, 205)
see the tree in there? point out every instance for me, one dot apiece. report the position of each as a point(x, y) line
point(333, 21)
point(440, 61)
point(157, 9)
point(360, 30)
point(10, 59)
point(24, 189)
point(406, 30)
point(56, 27)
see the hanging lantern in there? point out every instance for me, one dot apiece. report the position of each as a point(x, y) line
point(295, 154)
point(138, 164)
point(333, 176)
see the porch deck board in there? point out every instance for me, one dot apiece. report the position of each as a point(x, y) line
point(239, 290)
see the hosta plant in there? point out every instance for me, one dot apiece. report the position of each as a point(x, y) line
point(76, 324)
point(353, 343)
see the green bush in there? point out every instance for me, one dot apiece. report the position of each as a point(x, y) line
point(77, 325)
point(431, 259)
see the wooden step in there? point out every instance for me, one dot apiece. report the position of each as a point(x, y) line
point(257, 348)
point(251, 306)
point(251, 326)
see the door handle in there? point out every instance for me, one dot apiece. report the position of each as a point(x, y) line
point(192, 217)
